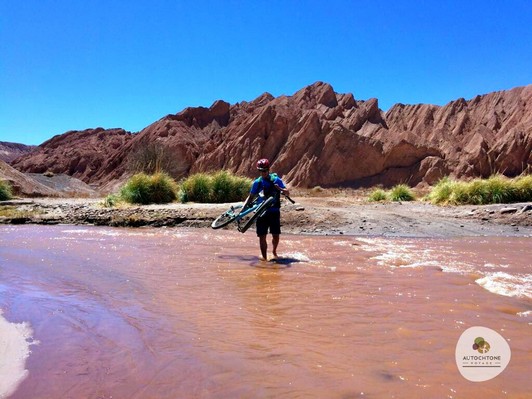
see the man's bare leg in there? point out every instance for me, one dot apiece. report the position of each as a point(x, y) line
point(263, 247)
point(275, 243)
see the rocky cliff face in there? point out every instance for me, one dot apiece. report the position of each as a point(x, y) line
point(488, 134)
point(315, 137)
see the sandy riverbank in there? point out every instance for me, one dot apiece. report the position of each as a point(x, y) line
point(323, 215)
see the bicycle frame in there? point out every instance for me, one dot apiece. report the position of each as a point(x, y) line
point(239, 215)
point(236, 213)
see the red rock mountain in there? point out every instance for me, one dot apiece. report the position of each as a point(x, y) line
point(81, 154)
point(11, 151)
point(315, 137)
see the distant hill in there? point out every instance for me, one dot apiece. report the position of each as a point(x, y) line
point(44, 185)
point(313, 137)
point(23, 184)
point(11, 151)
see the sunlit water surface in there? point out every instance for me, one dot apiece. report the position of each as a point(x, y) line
point(92, 312)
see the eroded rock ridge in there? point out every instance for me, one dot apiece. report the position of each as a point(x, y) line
point(314, 137)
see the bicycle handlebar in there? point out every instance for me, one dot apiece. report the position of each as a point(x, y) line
point(289, 199)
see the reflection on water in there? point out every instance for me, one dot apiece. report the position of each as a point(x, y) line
point(171, 313)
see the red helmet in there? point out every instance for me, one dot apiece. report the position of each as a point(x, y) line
point(263, 164)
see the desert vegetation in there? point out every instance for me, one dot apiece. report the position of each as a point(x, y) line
point(158, 188)
point(223, 186)
point(218, 187)
point(5, 191)
point(399, 192)
point(496, 189)
point(378, 195)
point(153, 158)
point(11, 212)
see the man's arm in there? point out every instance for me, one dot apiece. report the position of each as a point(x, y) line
point(248, 201)
point(283, 191)
point(253, 192)
point(279, 185)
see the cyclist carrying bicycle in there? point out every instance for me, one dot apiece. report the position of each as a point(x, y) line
point(271, 185)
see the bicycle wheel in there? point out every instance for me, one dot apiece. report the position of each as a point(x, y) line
point(225, 218)
point(260, 210)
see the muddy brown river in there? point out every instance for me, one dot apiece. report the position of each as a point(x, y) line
point(92, 312)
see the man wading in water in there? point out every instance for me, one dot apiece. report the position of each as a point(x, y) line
point(272, 186)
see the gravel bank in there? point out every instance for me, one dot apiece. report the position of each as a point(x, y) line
point(312, 215)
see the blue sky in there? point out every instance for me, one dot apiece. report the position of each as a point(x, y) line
point(77, 64)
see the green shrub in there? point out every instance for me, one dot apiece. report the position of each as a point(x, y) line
point(196, 188)
point(441, 192)
point(5, 191)
point(475, 192)
point(523, 188)
point(460, 193)
point(218, 187)
point(495, 190)
point(378, 195)
point(148, 189)
point(498, 189)
point(227, 187)
point(111, 200)
point(401, 192)
point(222, 186)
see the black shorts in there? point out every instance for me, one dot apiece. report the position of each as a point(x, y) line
point(271, 220)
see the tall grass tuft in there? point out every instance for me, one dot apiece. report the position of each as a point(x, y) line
point(111, 201)
point(401, 192)
point(378, 195)
point(523, 188)
point(495, 190)
point(442, 191)
point(218, 187)
point(196, 188)
point(227, 187)
point(158, 188)
point(5, 191)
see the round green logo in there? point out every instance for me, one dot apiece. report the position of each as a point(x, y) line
point(481, 354)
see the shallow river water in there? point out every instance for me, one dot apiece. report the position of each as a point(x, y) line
point(93, 312)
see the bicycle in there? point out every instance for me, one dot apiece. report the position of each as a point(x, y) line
point(257, 208)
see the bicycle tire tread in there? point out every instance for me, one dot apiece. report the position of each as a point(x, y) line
point(218, 223)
